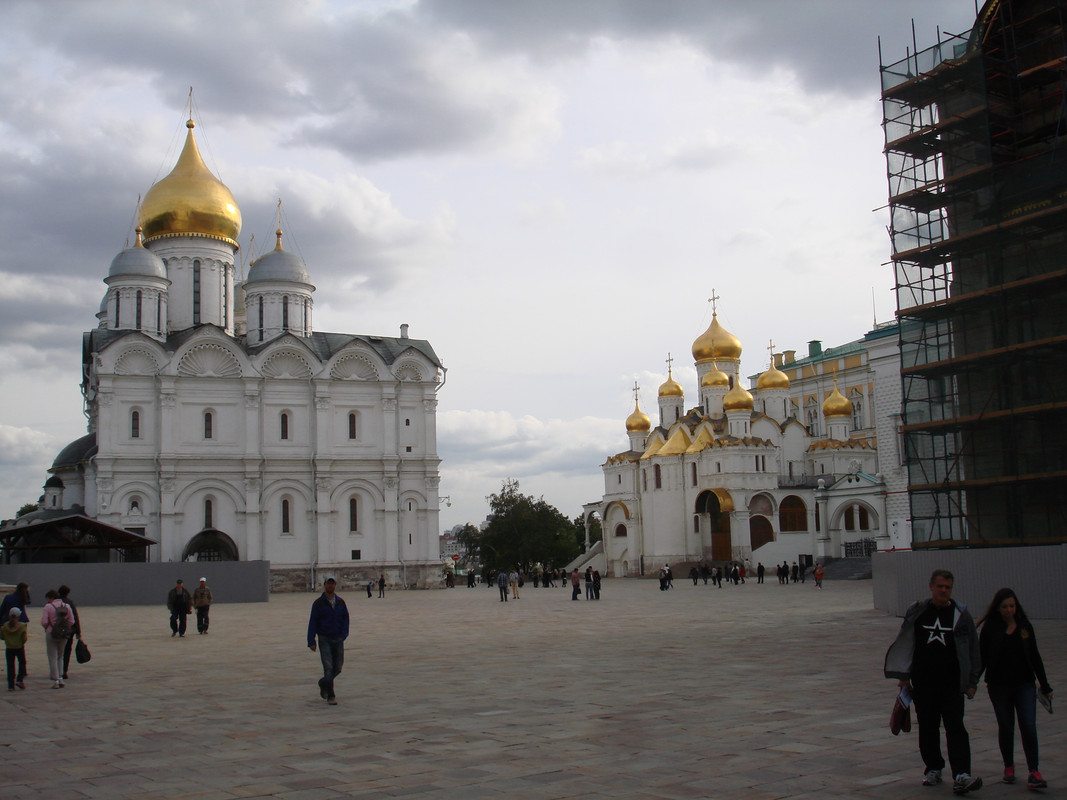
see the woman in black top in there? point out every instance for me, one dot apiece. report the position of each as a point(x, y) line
point(1012, 662)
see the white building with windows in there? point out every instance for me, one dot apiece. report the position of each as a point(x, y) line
point(223, 426)
point(788, 469)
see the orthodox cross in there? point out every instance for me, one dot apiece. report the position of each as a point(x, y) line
point(770, 347)
point(714, 297)
point(636, 387)
point(669, 362)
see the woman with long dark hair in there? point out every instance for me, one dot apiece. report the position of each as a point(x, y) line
point(1012, 662)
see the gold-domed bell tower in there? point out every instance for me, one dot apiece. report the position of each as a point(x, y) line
point(837, 411)
point(191, 220)
point(638, 425)
point(772, 391)
point(671, 398)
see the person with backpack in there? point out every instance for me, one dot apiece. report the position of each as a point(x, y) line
point(58, 623)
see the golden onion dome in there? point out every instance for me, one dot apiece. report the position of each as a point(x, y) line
point(836, 405)
point(190, 201)
point(773, 378)
point(715, 377)
point(670, 387)
point(737, 399)
point(639, 420)
point(716, 344)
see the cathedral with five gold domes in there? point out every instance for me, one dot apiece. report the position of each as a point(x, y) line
point(223, 426)
point(802, 465)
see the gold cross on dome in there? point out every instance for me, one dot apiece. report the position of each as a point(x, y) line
point(669, 362)
point(713, 299)
point(770, 347)
point(636, 387)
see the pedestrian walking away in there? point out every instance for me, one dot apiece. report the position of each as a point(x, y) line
point(381, 585)
point(936, 656)
point(64, 595)
point(179, 604)
point(327, 631)
point(20, 599)
point(502, 584)
point(1012, 663)
point(57, 621)
point(202, 604)
point(15, 633)
point(576, 585)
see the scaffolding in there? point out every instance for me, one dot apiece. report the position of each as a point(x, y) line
point(976, 153)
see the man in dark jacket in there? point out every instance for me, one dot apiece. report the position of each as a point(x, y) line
point(329, 625)
point(936, 657)
point(179, 604)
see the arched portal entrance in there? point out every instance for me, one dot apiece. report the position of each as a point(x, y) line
point(713, 507)
point(210, 545)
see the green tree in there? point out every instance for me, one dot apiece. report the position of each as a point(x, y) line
point(521, 532)
point(26, 509)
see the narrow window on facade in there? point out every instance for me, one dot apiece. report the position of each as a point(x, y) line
point(658, 476)
point(285, 516)
point(696, 523)
point(137, 312)
point(208, 430)
point(285, 425)
point(261, 318)
point(407, 423)
point(209, 521)
point(352, 425)
point(818, 518)
point(644, 480)
point(159, 314)
point(353, 515)
point(285, 313)
point(118, 308)
point(196, 292)
point(135, 424)
point(619, 476)
point(307, 317)
point(225, 298)
point(693, 467)
point(850, 519)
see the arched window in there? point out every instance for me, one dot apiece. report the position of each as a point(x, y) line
point(118, 308)
point(135, 506)
point(353, 515)
point(857, 413)
point(657, 476)
point(196, 292)
point(284, 425)
point(208, 428)
point(209, 520)
point(352, 425)
point(285, 517)
point(694, 471)
point(135, 424)
point(620, 530)
point(792, 514)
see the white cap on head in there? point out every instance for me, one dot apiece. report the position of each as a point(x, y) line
point(16, 612)
point(330, 578)
point(203, 580)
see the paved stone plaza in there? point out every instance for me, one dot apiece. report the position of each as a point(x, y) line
point(753, 692)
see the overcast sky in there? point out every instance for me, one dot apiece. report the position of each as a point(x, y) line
point(546, 191)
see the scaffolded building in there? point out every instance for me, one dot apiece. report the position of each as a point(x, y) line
point(976, 148)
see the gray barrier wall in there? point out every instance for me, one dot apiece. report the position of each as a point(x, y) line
point(1037, 574)
point(142, 584)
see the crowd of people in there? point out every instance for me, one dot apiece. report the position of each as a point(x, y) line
point(61, 623)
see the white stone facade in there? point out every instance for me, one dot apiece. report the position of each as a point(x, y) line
point(314, 451)
point(741, 478)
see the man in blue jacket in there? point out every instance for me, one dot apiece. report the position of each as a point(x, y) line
point(329, 624)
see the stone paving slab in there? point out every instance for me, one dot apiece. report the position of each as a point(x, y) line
point(758, 692)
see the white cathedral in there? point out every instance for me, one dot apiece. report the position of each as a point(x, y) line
point(804, 467)
point(223, 426)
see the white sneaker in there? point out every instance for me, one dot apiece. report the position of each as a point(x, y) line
point(966, 783)
point(932, 777)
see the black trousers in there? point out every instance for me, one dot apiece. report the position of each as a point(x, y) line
point(935, 705)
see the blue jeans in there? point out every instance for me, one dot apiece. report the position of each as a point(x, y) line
point(332, 653)
point(1009, 702)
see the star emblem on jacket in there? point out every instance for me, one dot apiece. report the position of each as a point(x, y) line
point(937, 632)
